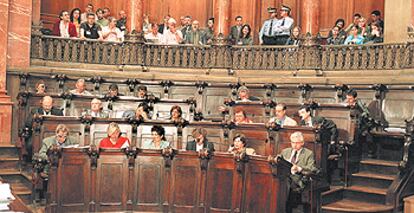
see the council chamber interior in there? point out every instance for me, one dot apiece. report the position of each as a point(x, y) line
point(207, 106)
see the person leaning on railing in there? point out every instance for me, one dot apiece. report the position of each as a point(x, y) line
point(172, 35)
point(76, 19)
point(91, 30)
point(64, 28)
point(245, 36)
point(336, 38)
point(195, 36)
point(295, 37)
point(209, 31)
point(354, 37)
point(375, 36)
point(111, 32)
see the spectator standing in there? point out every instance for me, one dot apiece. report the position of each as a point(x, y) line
point(235, 31)
point(102, 21)
point(295, 37)
point(267, 35)
point(76, 19)
point(111, 32)
point(209, 31)
point(357, 16)
point(64, 28)
point(154, 36)
point(283, 26)
point(88, 9)
point(335, 38)
point(90, 29)
point(195, 36)
point(354, 37)
point(172, 35)
point(122, 20)
point(245, 37)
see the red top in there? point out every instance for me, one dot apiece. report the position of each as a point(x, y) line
point(106, 143)
point(72, 29)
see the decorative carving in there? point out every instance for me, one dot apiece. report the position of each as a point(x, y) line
point(23, 79)
point(198, 116)
point(201, 85)
point(168, 154)
point(60, 78)
point(220, 39)
point(132, 83)
point(204, 155)
point(241, 158)
point(340, 90)
point(22, 98)
point(135, 122)
point(37, 122)
point(131, 153)
point(380, 90)
point(54, 153)
point(87, 120)
point(67, 96)
point(269, 89)
point(193, 103)
point(269, 104)
point(234, 88)
point(273, 126)
point(96, 80)
point(305, 90)
point(166, 85)
point(93, 153)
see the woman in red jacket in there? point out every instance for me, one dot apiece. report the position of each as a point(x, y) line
point(114, 139)
point(64, 28)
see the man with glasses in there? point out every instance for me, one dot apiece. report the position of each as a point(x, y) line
point(64, 27)
point(61, 139)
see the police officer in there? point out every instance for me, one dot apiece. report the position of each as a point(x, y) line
point(283, 26)
point(267, 34)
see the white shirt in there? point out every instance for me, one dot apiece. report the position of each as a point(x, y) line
point(156, 39)
point(199, 147)
point(118, 36)
point(284, 25)
point(64, 29)
point(170, 38)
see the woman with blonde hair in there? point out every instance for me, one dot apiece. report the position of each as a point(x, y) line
point(114, 139)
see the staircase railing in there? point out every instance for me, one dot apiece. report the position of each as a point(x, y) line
point(318, 57)
point(403, 185)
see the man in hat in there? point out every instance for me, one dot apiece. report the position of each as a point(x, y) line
point(243, 95)
point(267, 34)
point(283, 26)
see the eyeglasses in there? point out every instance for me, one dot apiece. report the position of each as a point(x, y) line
point(61, 136)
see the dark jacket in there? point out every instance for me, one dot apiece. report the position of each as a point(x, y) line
point(324, 123)
point(191, 146)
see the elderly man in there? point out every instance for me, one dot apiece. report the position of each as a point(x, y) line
point(243, 95)
point(172, 35)
point(303, 161)
point(64, 28)
point(61, 139)
point(200, 141)
point(80, 88)
point(281, 118)
point(195, 36)
point(96, 110)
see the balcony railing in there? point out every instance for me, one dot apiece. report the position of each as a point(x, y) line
point(320, 57)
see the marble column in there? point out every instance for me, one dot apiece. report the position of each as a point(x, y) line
point(222, 13)
point(309, 16)
point(5, 100)
point(135, 12)
point(36, 12)
point(19, 31)
point(398, 16)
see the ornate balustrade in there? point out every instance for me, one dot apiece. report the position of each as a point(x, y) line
point(336, 57)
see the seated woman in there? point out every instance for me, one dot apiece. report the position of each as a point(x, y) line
point(40, 87)
point(158, 139)
point(114, 139)
point(240, 144)
point(176, 113)
point(142, 112)
point(241, 118)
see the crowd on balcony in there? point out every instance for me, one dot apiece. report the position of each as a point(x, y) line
point(279, 29)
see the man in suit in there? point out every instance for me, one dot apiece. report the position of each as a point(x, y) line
point(96, 110)
point(200, 141)
point(47, 108)
point(195, 36)
point(318, 122)
point(235, 30)
point(61, 139)
point(244, 96)
point(303, 162)
point(281, 118)
point(164, 26)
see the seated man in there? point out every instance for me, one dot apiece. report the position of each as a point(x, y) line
point(141, 112)
point(113, 91)
point(281, 118)
point(240, 145)
point(240, 117)
point(114, 139)
point(308, 120)
point(47, 108)
point(80, 88)
point(243, 95)
point(303, 161)
point(200, 141)
point(61, 139)
point(96, 109)
point(64, 27)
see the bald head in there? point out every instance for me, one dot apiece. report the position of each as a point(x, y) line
point(47, 103)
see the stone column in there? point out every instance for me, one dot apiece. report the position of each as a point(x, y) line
point(36, 12)
point(309, 16)
point(398, 16)
point(222, 12)
point(135, 12)
point(5, 100)
point(19, 31)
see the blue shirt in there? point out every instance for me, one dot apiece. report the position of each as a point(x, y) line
point(151, 145)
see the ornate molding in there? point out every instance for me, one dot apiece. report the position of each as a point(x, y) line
point(241, 158)
point(168, 154)
point(93, 153)
point(131, 153)
point(54, 153)
point(204, 156)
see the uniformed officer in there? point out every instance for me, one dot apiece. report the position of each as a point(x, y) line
point(267, 34)
point(283, 26)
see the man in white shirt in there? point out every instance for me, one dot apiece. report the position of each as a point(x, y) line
point(111, 32)
point(80, 88)
point(281, 118)
point(283, 26)
point(172, 35)
point(154, 36)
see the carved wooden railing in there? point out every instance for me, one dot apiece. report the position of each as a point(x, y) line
point(337, 57)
